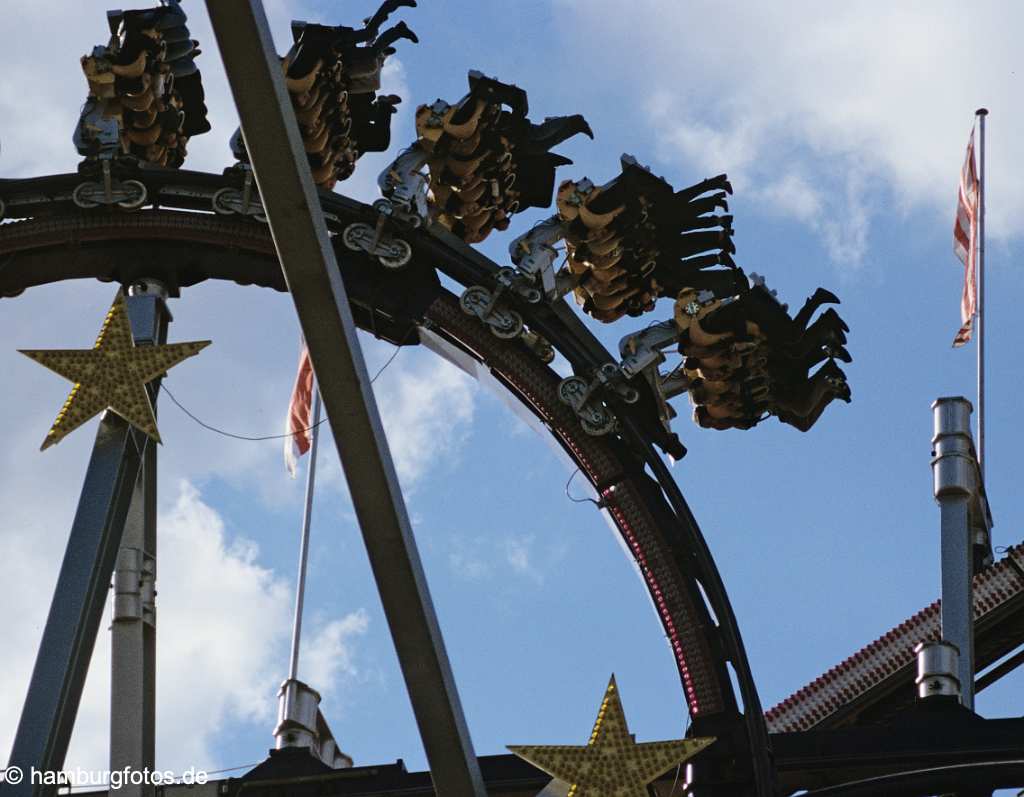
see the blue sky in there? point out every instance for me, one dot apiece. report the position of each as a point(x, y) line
point(843, 130)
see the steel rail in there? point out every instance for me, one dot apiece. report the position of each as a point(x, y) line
point(39, 242)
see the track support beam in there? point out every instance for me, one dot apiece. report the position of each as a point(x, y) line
point(133, 622)
point(307, 259)
point(69, 636)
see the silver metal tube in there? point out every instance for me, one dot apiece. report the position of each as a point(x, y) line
point(954, 470)
point(938, 667)
point(297, 707)
point(957, 605)
point(307, 514)
point(982, 114)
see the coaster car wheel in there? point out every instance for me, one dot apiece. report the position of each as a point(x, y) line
point(397, 253)
point(391, 252)
point(595, 419)
point(130, 195)
point(503, 323)
point(228, 202)
point(139, 198)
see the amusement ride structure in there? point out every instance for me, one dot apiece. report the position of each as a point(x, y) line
point(133, 216)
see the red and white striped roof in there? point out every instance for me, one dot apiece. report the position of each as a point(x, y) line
point(890, 653)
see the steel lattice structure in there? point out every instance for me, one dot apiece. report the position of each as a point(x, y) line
point(166, 232)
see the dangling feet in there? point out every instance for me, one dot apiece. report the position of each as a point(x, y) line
point(391, 35)
point(820, 297)
point(833, 319)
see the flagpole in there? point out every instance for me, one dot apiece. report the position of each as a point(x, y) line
point(307, 513)
point(981, 113)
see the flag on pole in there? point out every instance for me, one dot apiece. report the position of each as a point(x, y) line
point(297, 424)
point(964, 241)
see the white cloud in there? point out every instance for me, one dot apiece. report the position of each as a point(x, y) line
point(872, 100)
point(476, 558)
point(328, 655)
point(223, 623)
point(427, 409)
point(467, 564)
point(519, 554)
point(792, 194)
point(220, 607)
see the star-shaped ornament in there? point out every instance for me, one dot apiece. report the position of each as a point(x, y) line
point(611, 764)
point(113, 374)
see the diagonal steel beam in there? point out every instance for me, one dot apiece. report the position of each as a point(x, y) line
point(51, 705)
point(296, 223)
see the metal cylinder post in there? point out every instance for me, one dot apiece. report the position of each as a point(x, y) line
point(938, 666)
point(133, 626)
point(954, 471)
point(298, 704)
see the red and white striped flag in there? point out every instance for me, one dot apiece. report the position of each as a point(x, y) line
point(964, 238)
point(299, 420)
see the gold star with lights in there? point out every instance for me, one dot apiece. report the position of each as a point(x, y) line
point(113, 374)
point(611, 764)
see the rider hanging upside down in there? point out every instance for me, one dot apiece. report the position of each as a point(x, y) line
point(746, 358)
point(332, 73)
point(635, 239)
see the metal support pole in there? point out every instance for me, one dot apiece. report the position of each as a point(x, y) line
point(298, 703)
point(954, 471)
point(307, 516)
point(55, 689)
point(133, 627)
point(307, 259)
point(982, 113)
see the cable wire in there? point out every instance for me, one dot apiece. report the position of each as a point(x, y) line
point(568, 495)
point(259, 438)
point(232, 435)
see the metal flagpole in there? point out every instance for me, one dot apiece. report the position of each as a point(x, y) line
point(980, 280)
point(310, 267)
point(300, 589)
point(298, 715)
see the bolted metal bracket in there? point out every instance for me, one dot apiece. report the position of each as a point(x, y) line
point(404, 188)
point(642, 350)
point(534, 255)
point(642, 354)
point(587, 397)
point(508, 279)
point(399, 213)
point(502, 321)
point(135, 587)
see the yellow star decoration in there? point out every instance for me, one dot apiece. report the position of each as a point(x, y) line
point(611, 764)
point(113, 374)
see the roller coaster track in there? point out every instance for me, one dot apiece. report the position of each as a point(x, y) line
point(177, 238)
